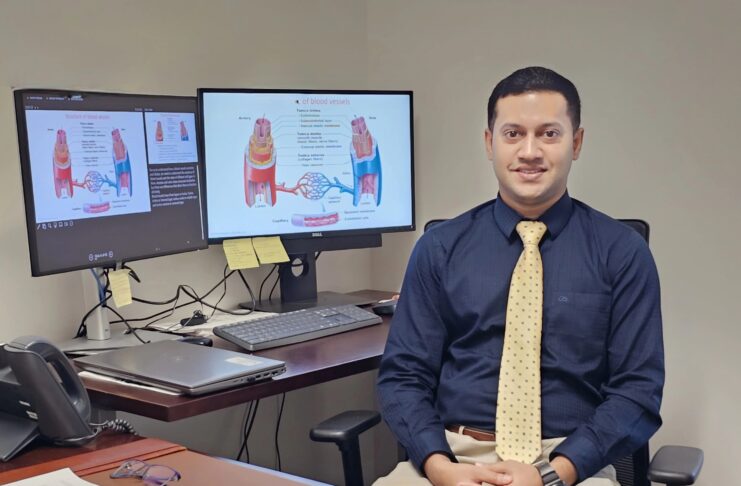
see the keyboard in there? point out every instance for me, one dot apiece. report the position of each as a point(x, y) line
point(295, 327)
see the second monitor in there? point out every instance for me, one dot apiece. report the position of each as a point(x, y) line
point(325, 170)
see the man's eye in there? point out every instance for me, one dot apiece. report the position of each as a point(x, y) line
point(511, 133)
point(551, 133)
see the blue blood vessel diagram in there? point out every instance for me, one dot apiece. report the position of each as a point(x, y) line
point(366, 162)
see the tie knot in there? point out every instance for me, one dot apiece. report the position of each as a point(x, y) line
point(531, 232)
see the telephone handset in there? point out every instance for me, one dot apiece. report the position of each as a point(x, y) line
point(40, 395)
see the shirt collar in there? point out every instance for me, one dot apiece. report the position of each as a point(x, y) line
point(555, 217)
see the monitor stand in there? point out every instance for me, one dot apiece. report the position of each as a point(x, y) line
point(99, 335)
point(299, 291)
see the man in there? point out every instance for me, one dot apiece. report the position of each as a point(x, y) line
point(526, 348)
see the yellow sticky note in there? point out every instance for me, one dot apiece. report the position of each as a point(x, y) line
point(270, 249)
point(240, 254)
point(120, 287)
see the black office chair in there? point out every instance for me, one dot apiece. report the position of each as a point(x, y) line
point(671, 465)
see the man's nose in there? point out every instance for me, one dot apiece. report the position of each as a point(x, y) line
point(530, 149)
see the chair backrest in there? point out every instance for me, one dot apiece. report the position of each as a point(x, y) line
point(631, 470)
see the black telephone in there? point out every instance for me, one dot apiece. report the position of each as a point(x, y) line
point(40, 395)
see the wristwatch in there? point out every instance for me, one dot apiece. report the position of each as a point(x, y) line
point(548, 474)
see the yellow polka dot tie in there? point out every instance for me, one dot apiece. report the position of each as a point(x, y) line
point(518, 402)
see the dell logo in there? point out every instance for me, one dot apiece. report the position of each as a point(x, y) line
point(316, 235)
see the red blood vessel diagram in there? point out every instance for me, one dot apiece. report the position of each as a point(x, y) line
point(259, 165)
point(62, 166)
point(158, 135)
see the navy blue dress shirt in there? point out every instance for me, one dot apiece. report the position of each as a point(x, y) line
point(602, 361)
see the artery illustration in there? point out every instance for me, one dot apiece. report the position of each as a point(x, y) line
point(62, 165)
point(259, 165)
point(183, 132)
point(158, 135)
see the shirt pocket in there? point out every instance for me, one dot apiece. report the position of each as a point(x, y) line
point(577, 322)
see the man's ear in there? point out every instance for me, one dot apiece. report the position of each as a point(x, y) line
point(577, 142)
point(488, 139)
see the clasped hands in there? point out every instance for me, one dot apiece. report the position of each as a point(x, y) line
point(441, 471)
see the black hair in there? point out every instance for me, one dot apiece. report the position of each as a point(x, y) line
point(536, 78)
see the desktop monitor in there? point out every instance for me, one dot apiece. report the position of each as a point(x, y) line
point(108, 178)
point(324, 170)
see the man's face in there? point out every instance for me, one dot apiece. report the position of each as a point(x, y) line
point(531, 146)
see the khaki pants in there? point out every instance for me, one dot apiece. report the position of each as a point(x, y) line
point(469, 451)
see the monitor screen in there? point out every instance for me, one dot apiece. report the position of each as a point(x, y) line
point(108, 177)
point(303, 164)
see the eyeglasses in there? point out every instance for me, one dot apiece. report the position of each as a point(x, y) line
point(152, 474)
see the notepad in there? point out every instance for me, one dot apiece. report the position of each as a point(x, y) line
point(240, 254)
point(120, 287)
point(270, 249)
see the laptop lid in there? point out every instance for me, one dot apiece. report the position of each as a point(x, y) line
point(184, 367)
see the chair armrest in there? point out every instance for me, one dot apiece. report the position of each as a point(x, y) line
point(676, 465)
point(345, 426)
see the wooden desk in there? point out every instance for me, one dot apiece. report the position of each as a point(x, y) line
point(307, 363)
point(95, 461)
point(33, 457)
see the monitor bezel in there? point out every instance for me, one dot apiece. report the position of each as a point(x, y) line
point(27, 183)
point(307, 235)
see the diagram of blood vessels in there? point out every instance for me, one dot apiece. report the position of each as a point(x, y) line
point(366, 162)
point(121, 164)
point(260, 160)
point(183, 132)
point(158, 135)
point(93, 180)
point(311, 220)
point(259, 165)
point(62, 166)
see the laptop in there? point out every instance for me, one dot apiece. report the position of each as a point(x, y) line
point(182, 367)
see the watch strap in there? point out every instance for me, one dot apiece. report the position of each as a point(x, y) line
point(548, 474)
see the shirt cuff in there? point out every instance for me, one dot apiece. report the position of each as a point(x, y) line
point(583, 454)
point(427, 443)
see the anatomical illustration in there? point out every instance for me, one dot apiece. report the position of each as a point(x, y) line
point(183, 132)
point(259, 165)
point(261, 160)
point(62, 166)
point(158, 134)
point(93, 181)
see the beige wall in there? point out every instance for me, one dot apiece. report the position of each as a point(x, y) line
point(659, 85)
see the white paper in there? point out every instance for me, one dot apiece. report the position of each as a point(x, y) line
point(62, 477)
